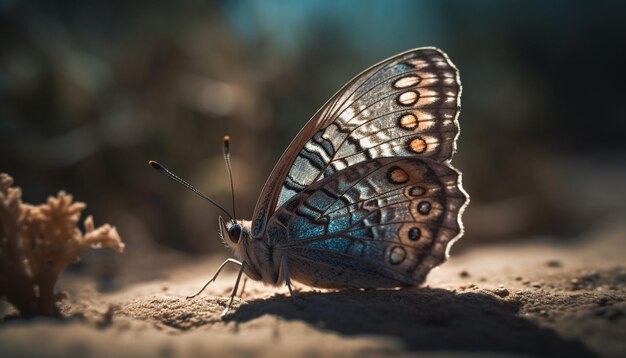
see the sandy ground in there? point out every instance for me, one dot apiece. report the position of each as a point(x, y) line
point(538, 298)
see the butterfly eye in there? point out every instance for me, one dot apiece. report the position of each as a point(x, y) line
point(234, 233)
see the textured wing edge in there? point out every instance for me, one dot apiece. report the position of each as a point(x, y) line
point(459, 214)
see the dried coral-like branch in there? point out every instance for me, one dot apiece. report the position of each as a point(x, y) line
point(38, 242)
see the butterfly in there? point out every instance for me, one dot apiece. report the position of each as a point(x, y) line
point(365, 195)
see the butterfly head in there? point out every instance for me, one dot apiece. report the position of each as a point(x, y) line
point(237, 232)
point(233, 230)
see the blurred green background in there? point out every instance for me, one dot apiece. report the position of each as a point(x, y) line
point(90, 90)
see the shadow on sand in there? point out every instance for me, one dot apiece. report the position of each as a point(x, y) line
point(423, 319)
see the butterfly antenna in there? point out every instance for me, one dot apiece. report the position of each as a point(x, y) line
point(163, 170)
point(230, 171)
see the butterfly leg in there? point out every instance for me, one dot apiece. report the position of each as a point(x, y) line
point(283, 264)
point(243, 287)
point(216, 274)
point(234, 293)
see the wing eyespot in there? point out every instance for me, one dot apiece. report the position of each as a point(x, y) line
point(417, 145)
point(408, 98)
point(408, 121)
point(407, 81)
point(397, 255)
point(423, 207)
point(397, 175)
point(417, 191)
point(415, 233)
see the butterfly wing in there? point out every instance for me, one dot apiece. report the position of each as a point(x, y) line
point(406, 105)
point(379, 223)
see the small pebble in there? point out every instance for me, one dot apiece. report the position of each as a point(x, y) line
point(518, 278)
point(536, 285)
point(501, 291)
point(554, 263)
point(464, 274)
